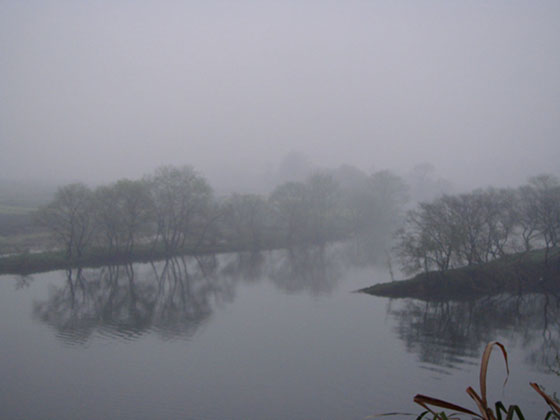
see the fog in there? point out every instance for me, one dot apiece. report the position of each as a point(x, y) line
point(95, 91)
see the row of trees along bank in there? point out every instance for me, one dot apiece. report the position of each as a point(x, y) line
point(468, 229)
point(175, 210)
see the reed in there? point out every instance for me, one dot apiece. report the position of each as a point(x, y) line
point(498, 411)
point(485, 412)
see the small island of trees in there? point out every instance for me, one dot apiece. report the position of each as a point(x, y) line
point(475, 228)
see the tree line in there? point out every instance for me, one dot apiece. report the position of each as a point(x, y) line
point(175, 209)
point(467, 229)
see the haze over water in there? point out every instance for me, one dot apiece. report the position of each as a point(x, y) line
point(275, 335)
point(447, 96)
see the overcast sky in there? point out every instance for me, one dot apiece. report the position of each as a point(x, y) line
point(97, 90)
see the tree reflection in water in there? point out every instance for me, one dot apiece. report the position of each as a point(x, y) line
point(172, 298)
point(449, 333)
point(316, 270)
point(245, 266)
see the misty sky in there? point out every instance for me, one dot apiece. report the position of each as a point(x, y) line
point(97, 90)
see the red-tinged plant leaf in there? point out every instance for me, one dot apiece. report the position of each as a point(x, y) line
point(396, 413)
point(553, 404)
point(428, 410)
point(424, 401)
point(484, 368)
point(480, 404)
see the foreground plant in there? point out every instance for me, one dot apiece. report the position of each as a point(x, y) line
point(500, 412)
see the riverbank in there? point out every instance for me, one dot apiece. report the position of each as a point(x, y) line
point(31, 263)
point(523, 272)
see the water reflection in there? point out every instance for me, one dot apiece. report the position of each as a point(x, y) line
point(175, 297)
point(172, 298)
point(23, 281)
point(245, 266)
point(311, 270)
point(451, 333)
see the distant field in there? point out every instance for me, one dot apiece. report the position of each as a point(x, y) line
point(19, 232)
point(22, 243)
point(8, 209)
point(16, 220)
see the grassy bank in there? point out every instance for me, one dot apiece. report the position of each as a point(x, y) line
point(30, 263)
point(523, 272)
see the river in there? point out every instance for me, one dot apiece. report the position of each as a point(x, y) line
point(275, 335)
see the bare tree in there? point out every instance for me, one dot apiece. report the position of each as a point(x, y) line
point(70, 218)
point(477, 227)
point(246, 217)
point(545, 209)
point(181, 199)
point(289, 202)
point(324, 205)
point(500, 219)
point(373, 209)
point(429, 239)
point(124, 212)
point(526, 215)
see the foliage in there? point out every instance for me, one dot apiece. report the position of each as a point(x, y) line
point(485, 412)
point(499, 411)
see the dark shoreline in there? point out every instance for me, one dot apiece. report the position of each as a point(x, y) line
point(517, 273)
point(32, 263)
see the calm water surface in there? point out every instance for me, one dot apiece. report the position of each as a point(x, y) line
point(278, 335)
